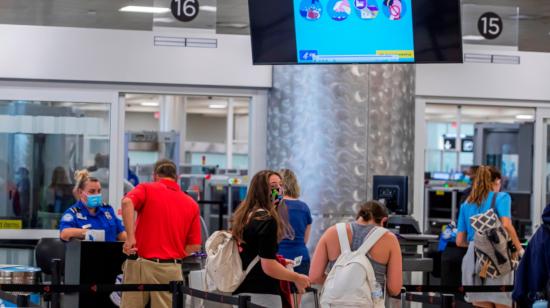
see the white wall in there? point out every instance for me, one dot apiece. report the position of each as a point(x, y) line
point(206, 129)
point(527, 81)
point(140, 121)
point(62, 53)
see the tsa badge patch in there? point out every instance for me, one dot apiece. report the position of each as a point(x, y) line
point(67, 218)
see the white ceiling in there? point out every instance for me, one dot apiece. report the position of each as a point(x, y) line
point(477, 114)
point(195, 104)
point(231, 16)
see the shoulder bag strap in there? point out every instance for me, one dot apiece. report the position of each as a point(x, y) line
point(493, 203)
point(251, 265)
point(257, 258)
point(374, 235)
point(343, 238)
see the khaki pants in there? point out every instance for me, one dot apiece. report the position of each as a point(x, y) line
point(149, 272)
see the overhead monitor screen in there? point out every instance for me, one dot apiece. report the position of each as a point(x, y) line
point(355, 31)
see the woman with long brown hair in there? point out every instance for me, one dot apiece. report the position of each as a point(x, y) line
point(485, 192)
point(259, 224)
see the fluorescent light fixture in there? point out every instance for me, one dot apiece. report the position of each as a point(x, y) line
point(217, 106)
point(525, 117)
point(149, 104)
point(208, 8)
point(473, 38)
point(144, 9)
point(240, 25)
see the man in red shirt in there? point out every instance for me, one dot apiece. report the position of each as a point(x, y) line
point(167, 229)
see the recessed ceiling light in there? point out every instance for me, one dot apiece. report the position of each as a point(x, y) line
point(164, 20)
point(524, 17)
point(524, 117)
point(144, 9)
point(149, 104)
point(217, 106)
point(232, 25)
point(473, 37)
point(208, 8)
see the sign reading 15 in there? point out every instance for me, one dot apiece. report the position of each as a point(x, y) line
point(185, 10)
point(489, 25)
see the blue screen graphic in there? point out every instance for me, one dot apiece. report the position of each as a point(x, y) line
point(353, 31)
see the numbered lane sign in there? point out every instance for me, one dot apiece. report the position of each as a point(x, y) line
point(489, 25)
point(185, 10)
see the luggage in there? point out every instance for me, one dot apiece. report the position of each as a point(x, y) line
point(224, 271)
point(351, 281)
point(493, 246)
point(315, 298)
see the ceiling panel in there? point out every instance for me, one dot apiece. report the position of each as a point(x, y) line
point(232, 16)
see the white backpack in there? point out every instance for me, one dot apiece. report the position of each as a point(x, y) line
point(351, 281)
point(224, 269)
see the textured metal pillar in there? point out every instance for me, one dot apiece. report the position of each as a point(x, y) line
point(390, 121)
point(336, 126)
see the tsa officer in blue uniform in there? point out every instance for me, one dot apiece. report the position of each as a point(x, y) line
point(89, 212)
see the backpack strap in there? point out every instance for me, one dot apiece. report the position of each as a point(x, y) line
point(343, 238)
point(374, 235)
point(493, 202)
point(251, 265)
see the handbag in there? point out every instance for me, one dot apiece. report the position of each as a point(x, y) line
point(493, 245)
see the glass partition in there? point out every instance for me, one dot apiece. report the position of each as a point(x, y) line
point(42, 144)
point(461, 136)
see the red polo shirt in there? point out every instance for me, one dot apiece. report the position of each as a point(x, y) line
point(167, 221)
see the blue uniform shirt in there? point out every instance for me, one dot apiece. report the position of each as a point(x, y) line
point(78, 216)
point(503, 205)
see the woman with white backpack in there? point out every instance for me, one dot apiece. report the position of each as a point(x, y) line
point(259, 224)
point(354, 261)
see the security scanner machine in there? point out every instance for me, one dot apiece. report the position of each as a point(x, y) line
point(229, 191)
point(443, 195)
point(217, 191)
point(143, 149)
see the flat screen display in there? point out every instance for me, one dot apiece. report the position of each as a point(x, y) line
point(355, 31)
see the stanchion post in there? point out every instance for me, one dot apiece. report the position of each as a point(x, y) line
point(243, 301)
point(403, 297)
point(177, 294)
point(56, 280)
point(447, 300)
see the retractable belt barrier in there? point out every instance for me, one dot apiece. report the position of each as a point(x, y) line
point(447, 297)
point(459, 289)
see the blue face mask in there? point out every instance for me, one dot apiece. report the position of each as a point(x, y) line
point(94, 200)
point(467, 179)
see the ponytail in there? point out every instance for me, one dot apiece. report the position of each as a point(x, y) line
point(483, 184)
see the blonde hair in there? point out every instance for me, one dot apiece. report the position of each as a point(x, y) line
point(290, 183)
point(483, 184)
point(81, 177)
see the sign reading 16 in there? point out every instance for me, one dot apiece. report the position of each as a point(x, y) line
point(185, 10)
